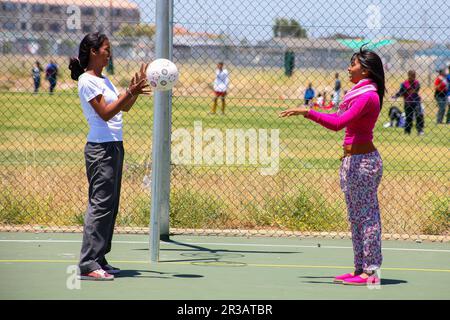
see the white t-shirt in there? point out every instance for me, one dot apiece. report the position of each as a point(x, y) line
point(89, 87)
point(221, 82)
point(320, 101)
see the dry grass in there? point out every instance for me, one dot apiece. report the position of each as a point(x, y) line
point(57, 197)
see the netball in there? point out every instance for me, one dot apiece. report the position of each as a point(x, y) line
point(162, 74)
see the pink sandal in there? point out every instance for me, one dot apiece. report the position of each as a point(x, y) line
point(97, 275)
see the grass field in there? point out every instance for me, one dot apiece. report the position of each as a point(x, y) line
point(43, 179)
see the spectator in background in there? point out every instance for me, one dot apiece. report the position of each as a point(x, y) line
point(337, 90)
point(220, 87)
point(440, 94)
point(51, 74)
point(36, 73)
point(448, 95)
point(396, 118)
point(409, 90)
point(320, 101)
point(309, 94)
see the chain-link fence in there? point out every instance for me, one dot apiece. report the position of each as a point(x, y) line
point(237, 168)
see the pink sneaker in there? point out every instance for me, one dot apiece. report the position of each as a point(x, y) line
point(360, 281)
point(97, 275)
point(342, 277)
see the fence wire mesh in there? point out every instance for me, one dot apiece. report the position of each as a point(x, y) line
point(236, 168)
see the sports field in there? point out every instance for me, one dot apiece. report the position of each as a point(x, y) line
point(44, 183)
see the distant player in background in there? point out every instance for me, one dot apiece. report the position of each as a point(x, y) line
point(309, 95)
point(440, 94)
point(337, 90)
point(220, 87)
point(448, 95)
point(36, 73)
point(409, 90)
point(51, 74)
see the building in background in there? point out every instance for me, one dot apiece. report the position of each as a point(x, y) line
point(44, 27)
point(47, 26)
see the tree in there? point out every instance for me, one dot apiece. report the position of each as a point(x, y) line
point(342, 36)
point(288, 28)
point(244, 42)
point(136, 31)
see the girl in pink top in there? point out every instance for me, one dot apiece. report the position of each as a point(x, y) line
point(361, 169)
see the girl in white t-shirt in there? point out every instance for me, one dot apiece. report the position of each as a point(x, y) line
point(220, 87)
point(102, 107)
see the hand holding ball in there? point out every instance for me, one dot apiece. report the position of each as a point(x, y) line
point(162, 74)
point(138, 84)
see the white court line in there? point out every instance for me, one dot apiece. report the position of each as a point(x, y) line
point(321, 247)
point(231, 244)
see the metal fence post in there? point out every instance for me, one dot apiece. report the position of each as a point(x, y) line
point(160, 146)
point(164, 226)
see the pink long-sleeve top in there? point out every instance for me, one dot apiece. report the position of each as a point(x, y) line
point(359, 120)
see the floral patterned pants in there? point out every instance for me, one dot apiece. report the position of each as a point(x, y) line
point(360, 176)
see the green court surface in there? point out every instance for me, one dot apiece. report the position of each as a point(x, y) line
point(40, 266)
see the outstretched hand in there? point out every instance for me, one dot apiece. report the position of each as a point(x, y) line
point(139, 84)
point(294, 112)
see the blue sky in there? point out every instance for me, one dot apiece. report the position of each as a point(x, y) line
point(253, 19)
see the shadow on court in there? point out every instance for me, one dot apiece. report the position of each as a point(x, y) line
point(154, 274)
point(384, 282)
point(203, 254)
